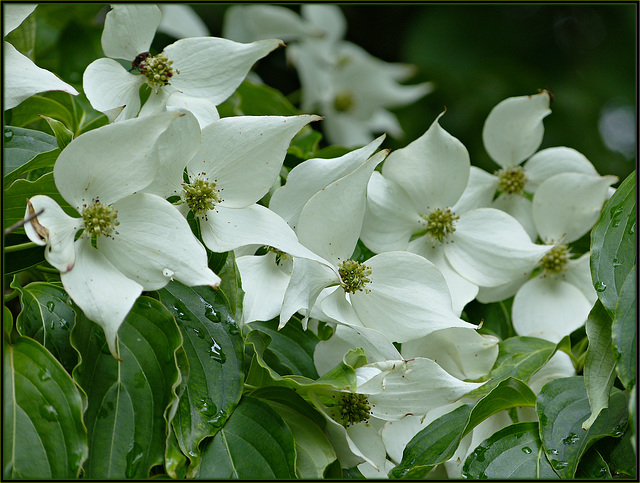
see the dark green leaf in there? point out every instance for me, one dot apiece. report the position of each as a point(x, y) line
point(495, 317)
point(127, 399)
point(593, 466)
point(254, 443)
point(62, 133)
point(18, 261)
point(22, 145)
point(39, 162)
point(231, 286)
point(259, 100)
point(624, 332)
point(23, 38)
point(352, 474)
point(43, 433)
point(620, 454)
point(613, 244)
point(7, 322)
point(305, 143)
point(562, 408)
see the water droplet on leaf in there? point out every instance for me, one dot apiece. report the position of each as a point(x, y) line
point(50, 306)
point(48, 412)
point(526, 450)
point(134, 458)
point(600, 286)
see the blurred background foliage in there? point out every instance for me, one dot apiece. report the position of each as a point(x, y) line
point(475, 54)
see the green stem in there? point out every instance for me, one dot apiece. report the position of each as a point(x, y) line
point(11, 296)
point(20, 246)
point(44, 269)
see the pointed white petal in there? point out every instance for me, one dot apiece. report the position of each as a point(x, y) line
point(244, 154)
point(103, 293)
point(342, 129)
point(23, 78)
point(246, 23)
point(433, 169)
point(408, 298)
point(336, 306)
point(551, 161)
point(181, 21)
point(520, 208)
point(13, 14)
point(567, 205)
point(212, 67)
point(479, 192)
point(487, 295)
point(54, 228)
point(390, 217)
point(157, 101)
point(490, 248)
point(109, 86)
point(329, 17)
point(368, 439)
point(578, 273)
point(559, 365)
point(463, 353)
point(110, 162)
point(549, 308)
point(313, 175)
point(513, 130)
point(331, 221)
point(153, 244)
point(129, 30)
point(204, 110)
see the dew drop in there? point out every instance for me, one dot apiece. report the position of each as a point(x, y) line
point(616, 263)
point(134, 458)
point(44, 375)
point(553, 452)
point(198, 333)
point(181, 311)
point(632, 229)
point(50, 306)
point(571, 439)
point(49, 413)
point(600, 286)
point(558, 465)
point(216, 353)
point(526, 450)
point(210, 313)
point(8, 134)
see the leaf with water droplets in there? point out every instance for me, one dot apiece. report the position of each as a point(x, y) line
point(624, 332)
point(593, 466)
point(43, 433)
point(22, 145)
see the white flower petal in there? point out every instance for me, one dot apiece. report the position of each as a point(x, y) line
point(549, 308)
point(567, 205)
point(204, 110)
point(368, 439)
point(408, 298)
point(463, 353)
point(313, 175)
point(13, 14)
point(559, 365)
point(513, 130)
point(129, 30)
point(153, 236)
point(328, 17)
point(343, 129)
point(433, 169)
point(551, 161)
point(212, 67)
point(54, 228)
point(336, 306)
point(246, 23)
point(490, 248)
point(479, 192)
point(578, 273)
point(264, 285)
point(520, 208)
point(331, 221)
point(487, 295)
point(390, 217)
point(109, 86)
point(22, 78)
point(103, 293)
point(181, 21)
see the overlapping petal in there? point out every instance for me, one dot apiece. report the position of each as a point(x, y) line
point(129, 30)
point(551, 161)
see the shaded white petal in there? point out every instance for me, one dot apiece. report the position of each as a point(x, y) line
point(129, 30)
point(433, 169)
point(487, 295)
point(264, 284)
point(328, 17)
point(13, 14)
point(103, 293)
point(513, 130)
point(244, 154)
point(246, 23)
point(153, 244)
point(578, 273)
point(313, 175)
point(181, 21)
point(490, 248)
point(520, 208)
point(551, 161)
point(408, 298)
point(390, 217)
point(368, 439)
point(567, 205)
point(22, 78)
point(331, 221)
point(213, 67)
point(559, 365)
point(54, 228)
point(156, 102)
point(334, 304)
point(110, 162)
point(204, 110)
point(109, 86)
point(463, 353)
point(479, 192)
point(341, 129)
point(411, 387)
point(549, 308)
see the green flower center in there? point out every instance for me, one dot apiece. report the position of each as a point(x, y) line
point(555, 261)
point(354, 409)
point(440, 223)
point(100, 219)
point(354, 275)
point(280, 255)
point(201, 195)
point(157, 69)
point(343, 102)
point(511, 180)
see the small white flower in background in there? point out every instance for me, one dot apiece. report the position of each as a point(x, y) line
point(413, 205)
point(131, 241)
point(196, 73)
point(181, 21)
point(22, 78)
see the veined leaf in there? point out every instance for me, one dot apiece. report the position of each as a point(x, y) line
point(624, 332)
point(22, 145)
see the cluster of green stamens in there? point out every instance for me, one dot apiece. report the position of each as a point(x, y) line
point(440, 223)
point(100, 219)
point(280, 255)
point(343, 102)
point(157, 70)
point(511, 180)
point(200, 195)
point(354, 275)
point(555, 261)
point(354, 408)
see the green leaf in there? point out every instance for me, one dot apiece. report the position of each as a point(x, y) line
point(314, 453)
point(613, 244)
point(518, 357)
point(593, 466)
point(22, 145)
point(63, 135)
point(127, 399)
point(39, 163)
point(512, 452)
point(619, 453)
point(624, 332)
point(305, 143)
point(23, 38)
point(230, 285)
point(214, 349)
point(562, 408)
point(438, 442)
point(22, 259)
point(495, 317)
point(258, 100)
point(47, 317)
point(8, 322)
point(43, 433)
point(254, 443)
